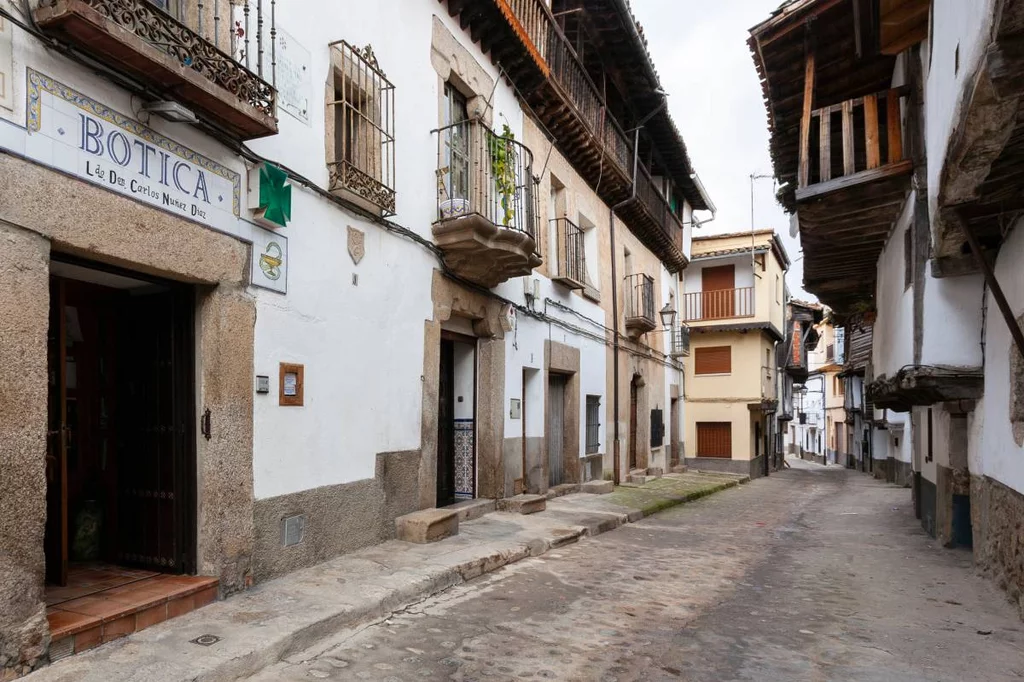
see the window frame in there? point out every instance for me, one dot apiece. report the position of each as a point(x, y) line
point(593, 403)
point(697, 352)
point(360, 113)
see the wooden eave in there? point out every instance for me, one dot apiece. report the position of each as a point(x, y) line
point(630, 65)
point(843, 231)
point(919, 386)
point(983, 169)
point(779, 47)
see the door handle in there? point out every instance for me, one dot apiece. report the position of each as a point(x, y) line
point(204, 424)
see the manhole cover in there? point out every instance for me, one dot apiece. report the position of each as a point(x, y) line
point(206, 640)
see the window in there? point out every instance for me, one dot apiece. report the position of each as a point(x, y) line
point(830, 352)
point(908, 258)
point(838, 387)
point(712, 360)
point(456, 142)
point(778, 289)
point(714, 439)
point(591, 255)
point(657, 428)
point(361, 108)
point(593, 424)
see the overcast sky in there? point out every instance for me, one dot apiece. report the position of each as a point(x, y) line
point(700, 51)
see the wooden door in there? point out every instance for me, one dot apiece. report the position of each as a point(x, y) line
point(522, 416)
point(718, 292)
point(155, 454)
point(633, 421)
point(56, 534)
point(446, 425)
point(556, 429)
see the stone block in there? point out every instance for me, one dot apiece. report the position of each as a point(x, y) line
point(655, 472)
point(427, 525)
point(597, 487)
point(638, 477)
point(563, 489)
point(472, 509)
point(523, 504)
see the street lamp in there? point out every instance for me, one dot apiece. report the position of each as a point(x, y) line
point(668, 316)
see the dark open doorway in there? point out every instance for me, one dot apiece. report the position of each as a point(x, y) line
point(120, 461)
point(456, 419)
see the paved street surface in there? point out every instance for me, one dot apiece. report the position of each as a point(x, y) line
point(812, 574)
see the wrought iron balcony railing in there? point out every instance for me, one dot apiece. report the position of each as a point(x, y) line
point(571, 257)
point(184, 49)
point(681, 341)
point(486, 174)
point(487, 211)
point(723, 304)
point(638, 290)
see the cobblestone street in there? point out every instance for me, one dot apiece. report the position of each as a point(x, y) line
point(812, 574)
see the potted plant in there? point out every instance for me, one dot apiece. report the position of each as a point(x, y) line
point(503, 171)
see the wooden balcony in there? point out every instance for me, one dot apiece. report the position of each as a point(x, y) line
point(559, 89)
point(570, 259)
point(487, 204)
point(638, 291)
point(853, 179)
point(185, 56)
point(724, 304)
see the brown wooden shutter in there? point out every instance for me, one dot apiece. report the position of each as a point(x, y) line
point(713, 360)
point(714, 439)
point(716, 279)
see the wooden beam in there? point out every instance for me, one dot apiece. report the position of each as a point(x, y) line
point(825, 146)
point(865, 176)
point(849, 160)
point(805, 122)
point(871, 131)
point(894, 121)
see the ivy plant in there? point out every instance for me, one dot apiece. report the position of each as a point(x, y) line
point(503, 171)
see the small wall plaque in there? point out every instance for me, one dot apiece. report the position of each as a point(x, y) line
point(290, 386)
point(262, 384)
point(515, 409)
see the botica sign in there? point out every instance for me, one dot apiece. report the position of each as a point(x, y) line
point(80, 136)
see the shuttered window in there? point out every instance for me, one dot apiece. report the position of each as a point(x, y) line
point(714, 439)
point(713, 360)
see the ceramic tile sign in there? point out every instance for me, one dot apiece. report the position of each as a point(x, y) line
point(269, 260)
point(86, 139)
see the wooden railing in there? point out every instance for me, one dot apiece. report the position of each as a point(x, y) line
point(870, 136)
point(652, 198)
point(718, 305)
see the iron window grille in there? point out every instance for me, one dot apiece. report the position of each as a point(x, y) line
point(640, 296)
point(593, 424)
point(362, 163)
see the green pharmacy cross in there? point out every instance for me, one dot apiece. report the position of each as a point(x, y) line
point(275, 195)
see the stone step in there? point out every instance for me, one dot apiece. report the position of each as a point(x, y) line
point(523, 504)
point(563, 489)
point(597, 487)
point(472, 509)
point(639, 477)
point(655, 472)
point(427, 525)
point(678, 469)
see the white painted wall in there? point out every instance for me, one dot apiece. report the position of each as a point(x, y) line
point(524, 348)
point(952, 321)
point(362, 345)
point(893, 340)
point(465, 380)
point(963, 24)
point(744, 272)
point(992, 450)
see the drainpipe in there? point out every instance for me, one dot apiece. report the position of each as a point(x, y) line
point(616, 453)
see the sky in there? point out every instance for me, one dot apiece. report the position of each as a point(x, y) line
point(700, 51)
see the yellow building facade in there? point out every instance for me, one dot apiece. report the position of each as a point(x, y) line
point(734, 305)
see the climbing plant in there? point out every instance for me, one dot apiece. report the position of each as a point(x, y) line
point(503, 170)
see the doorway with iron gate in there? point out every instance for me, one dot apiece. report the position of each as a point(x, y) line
point(120, 458)
point(456, 419)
